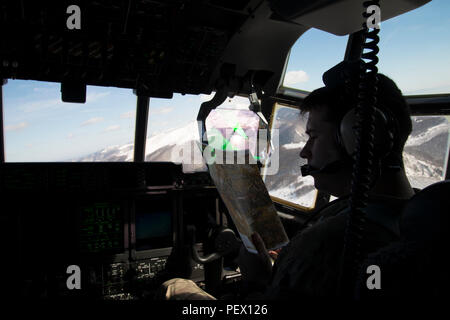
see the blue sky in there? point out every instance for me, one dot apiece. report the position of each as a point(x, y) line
point(39, 127)
point(414, 51)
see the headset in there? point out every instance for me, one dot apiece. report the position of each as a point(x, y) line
point(385, 131)
point(345, 76)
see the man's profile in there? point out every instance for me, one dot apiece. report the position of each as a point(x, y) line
point(310, 264)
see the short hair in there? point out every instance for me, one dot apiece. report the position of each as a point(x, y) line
point(339, 100)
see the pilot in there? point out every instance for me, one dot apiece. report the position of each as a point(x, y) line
point(310, 265)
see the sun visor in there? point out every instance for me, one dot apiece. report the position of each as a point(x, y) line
point(340, 17)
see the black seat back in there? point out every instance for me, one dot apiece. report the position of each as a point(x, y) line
point(425, 217)
point(415, 266)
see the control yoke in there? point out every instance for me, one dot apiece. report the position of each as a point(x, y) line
point(225, 242)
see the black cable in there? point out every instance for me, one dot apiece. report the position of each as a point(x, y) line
point(362, 178)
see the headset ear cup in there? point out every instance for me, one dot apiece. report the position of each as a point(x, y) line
point(347, 132)
point(383, 133)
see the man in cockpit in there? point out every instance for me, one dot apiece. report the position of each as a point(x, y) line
point(310, 265)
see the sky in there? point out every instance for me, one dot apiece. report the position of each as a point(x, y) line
point(414, 51)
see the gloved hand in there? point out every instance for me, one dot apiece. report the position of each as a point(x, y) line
point(256, 268)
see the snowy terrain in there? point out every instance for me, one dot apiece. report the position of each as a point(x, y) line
point(423, 155)
point(172, 145)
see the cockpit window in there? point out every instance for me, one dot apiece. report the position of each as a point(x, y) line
point(314, 52)
point(173, 131)
point(414, 52)
point(39, 127)
point(414, 49)
point(424, 156)
point(287, 183)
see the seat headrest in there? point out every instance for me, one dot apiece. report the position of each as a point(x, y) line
point(425, 217)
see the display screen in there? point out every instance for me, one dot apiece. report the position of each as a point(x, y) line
point(101, 228)
point(154, 223)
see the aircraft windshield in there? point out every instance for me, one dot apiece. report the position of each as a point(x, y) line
point(39, 127)
point(414, 51)
point(178, 141)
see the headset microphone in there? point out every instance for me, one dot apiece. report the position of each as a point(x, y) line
point(331, 167)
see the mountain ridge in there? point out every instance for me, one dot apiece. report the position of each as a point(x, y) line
point(423, 153)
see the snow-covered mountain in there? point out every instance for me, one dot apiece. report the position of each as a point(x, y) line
point(111, 153)
point(177, 145)
point(426, 150)
point(423, 154)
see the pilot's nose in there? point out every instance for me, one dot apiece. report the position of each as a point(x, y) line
point(305, 153)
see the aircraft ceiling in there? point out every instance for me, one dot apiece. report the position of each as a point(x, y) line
point(157, 47)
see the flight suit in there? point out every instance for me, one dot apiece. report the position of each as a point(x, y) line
point(310, 264)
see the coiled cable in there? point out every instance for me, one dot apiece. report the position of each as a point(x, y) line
point(364, 158)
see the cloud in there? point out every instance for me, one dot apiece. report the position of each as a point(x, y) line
point(162, 110)
point(294, 77)
point(56, 102)
point(44, 90)
point(207, 97)
point(14, 127)
point(40, 105)
point(91, 97)
point(70, 136)
point(112, 128)
point(92, 121)
point(127, 115)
